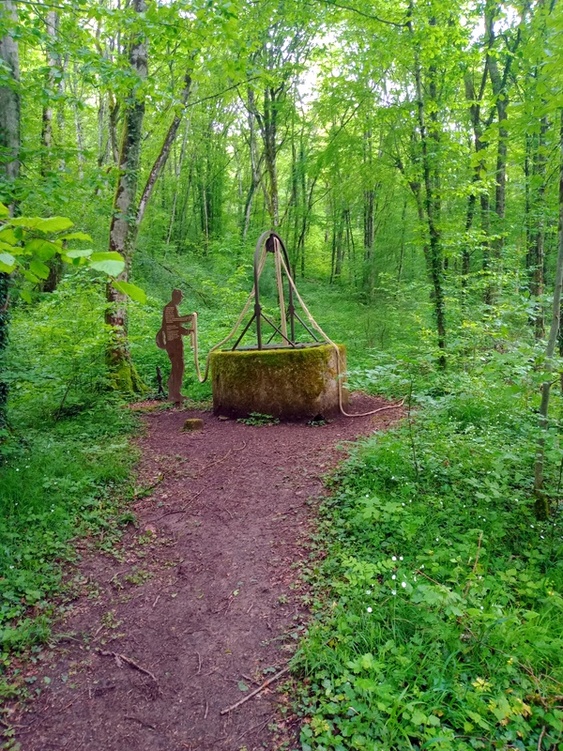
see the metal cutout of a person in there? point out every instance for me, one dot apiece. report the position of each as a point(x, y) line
point(169, 338)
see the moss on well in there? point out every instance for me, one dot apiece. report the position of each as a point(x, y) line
point(287, 383)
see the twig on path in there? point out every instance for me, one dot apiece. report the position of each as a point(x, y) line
point(256, 690)
point(142, 492)
point(259, 726)
point(141, 722)
point(198, 663)
point(178, 511)
point(119, 658)
point(222, 459)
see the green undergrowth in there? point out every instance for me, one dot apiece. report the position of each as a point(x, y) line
point(65, 463)
point(440, 596)
point(66, 481)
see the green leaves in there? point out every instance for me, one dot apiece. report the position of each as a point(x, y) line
point(131, 290)
point(38, 268)
point(25, 250)
point(428, 635)
point(44, 250)
point(50, 225)
point(54, 224)
point(7, 262)
point(77, 236)
point(111, 263)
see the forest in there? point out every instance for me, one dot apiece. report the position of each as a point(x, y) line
point(410, 154)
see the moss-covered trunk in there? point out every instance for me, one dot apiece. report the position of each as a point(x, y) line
point(124, 218)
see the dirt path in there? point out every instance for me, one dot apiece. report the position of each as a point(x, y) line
point(202, 605)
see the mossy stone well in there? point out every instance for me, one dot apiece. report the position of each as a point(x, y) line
point(292, 384)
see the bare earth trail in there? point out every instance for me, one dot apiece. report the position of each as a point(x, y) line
point(202, 603)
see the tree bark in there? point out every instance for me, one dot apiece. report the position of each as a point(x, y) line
point(53, 65)
point(177, 172)
point(123, 224)
point(162, 158)
point(269, 132)
point(9, 111)
point(255, 160)
point(499, 85)
point(536, 223)
point(474, 100)
point(542, 502)
point(432, 199)
point(9, 171)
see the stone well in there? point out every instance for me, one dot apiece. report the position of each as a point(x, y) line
point(288, 383)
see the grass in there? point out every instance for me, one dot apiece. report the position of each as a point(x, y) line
point(67, 482)
point(439, 601)
point(65, 470)
point(439, 597)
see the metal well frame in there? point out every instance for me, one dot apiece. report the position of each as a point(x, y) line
point(271, 242)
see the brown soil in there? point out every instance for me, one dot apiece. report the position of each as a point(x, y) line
point(202, 602)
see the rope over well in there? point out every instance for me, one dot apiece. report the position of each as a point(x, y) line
point(280, 265)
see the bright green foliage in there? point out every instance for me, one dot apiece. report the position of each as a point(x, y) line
point(395, 199)
point(29, 244)
point(440, 627)
point(68, 477)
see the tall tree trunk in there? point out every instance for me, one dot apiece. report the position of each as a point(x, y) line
point(499, 85)
point(369, 218)
point(51, 75)
point(9, 169)
point(402, 244)
point(501, 104)
point(307, 198)
point(9, 111)
point(536, 223)
point(177, 172)
point(53, 88)
point(123, 223)
point(164, 152)
point(474, 100)
point(113, 119)
point(339, 244)
point(432, 199)
point(255, 176)
point(270, 155)
point(542, 502)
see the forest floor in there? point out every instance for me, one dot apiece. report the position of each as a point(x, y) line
point(201, 602)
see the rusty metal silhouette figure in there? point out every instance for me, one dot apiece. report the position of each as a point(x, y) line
point(169, 338)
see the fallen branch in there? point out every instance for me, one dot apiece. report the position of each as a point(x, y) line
point(142, 492)
point(541, 737)
point(253, 729)
point(141, 722)
point(178, 511)
point(119, 658)
point(256, 690)
point(221, 459)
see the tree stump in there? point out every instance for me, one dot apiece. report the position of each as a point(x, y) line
point(193, 423)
